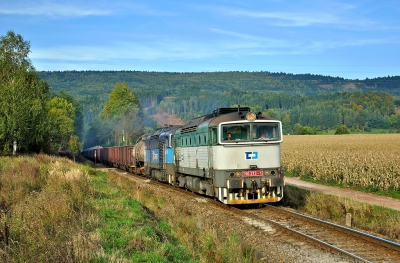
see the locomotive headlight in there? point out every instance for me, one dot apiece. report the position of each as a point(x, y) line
point(237, 174)
point(250, 116)
point(267, 172)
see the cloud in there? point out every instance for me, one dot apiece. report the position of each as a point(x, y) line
point(288, 18)
point(163, 49)
point(318, 14)
point(174, 50)
point(247, 38)
point(53, 9)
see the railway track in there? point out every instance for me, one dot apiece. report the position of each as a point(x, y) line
point(345, 242)
point(354, 244)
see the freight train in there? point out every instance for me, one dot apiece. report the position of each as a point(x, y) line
point(232, 154)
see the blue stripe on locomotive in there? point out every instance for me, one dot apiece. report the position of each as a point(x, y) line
point(169, 155)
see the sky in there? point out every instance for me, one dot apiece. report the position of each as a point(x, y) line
point(350, 39)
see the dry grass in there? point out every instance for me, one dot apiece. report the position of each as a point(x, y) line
point(44, 213)
point(360, 161)
point(382, 221)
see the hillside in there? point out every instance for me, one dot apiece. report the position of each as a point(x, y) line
point(320, 102)
point(101, 82)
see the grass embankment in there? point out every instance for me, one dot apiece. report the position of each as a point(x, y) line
point(376, 219)
point(53, 210)
point(45, 215)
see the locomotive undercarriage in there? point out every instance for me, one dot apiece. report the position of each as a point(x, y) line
point(225, 195)
point(250, 196)
point(244, 195)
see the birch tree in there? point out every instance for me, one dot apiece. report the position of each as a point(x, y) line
point(23, 119)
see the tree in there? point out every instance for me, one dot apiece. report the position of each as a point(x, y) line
point(286, 124)
point(398, 123)
point(61, 122)
point(298, 129)
point(23, 119)
point(121, 117)
point(74, 145)
point(342, 129)
point(270, 113)
point(78, 125)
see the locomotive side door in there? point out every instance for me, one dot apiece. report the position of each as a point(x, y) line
point(176, 154)
point(212, 140)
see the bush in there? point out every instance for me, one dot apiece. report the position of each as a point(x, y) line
point(307, 130)
point(342, 129)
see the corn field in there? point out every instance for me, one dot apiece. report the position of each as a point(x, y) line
point(360, 160)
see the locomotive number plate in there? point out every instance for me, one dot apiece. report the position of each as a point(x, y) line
point(252, 173)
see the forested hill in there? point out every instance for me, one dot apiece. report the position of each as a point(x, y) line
point(316, 101)
point(101, 82)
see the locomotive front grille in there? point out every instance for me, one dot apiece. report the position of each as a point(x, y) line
point(235, 184)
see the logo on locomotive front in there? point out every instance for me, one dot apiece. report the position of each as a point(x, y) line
point(251, 155)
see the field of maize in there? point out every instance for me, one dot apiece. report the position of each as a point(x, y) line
point(361, 160)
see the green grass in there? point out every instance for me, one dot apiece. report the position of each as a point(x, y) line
point(130, 232)
point(378, 131)
point(389, 193)
point(352, 131)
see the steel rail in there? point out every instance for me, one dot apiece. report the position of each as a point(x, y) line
point(366, 236)
point(388, 244)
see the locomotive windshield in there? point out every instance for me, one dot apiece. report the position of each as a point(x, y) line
point(250, 132)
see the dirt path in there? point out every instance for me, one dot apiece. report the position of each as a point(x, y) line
point(348, 193)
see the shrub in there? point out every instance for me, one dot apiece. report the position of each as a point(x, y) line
point(342, 129)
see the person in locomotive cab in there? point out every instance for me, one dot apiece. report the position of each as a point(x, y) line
point(228, 136)
point(262, 137)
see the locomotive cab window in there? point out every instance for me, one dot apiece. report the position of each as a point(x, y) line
point(235, 132)
point(266, 131)
point(250, 132)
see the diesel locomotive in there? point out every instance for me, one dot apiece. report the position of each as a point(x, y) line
point(232, 154)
